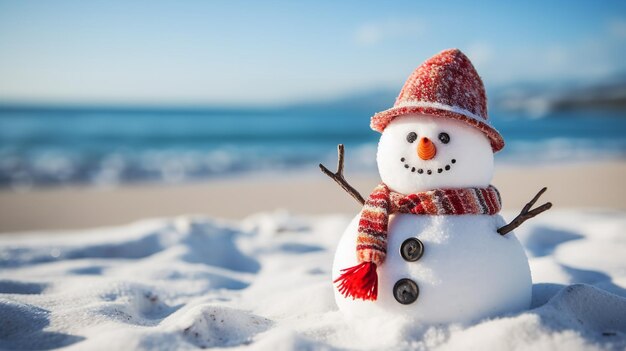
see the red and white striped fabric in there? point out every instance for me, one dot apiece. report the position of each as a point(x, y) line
point(361, 281)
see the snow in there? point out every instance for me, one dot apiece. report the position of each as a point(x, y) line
point(265, 283)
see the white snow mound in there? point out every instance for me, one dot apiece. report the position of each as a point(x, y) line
point(265, 283)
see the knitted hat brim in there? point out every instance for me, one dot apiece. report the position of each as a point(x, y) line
point(380, 121)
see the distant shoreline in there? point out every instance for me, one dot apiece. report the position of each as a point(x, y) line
point(113, 146)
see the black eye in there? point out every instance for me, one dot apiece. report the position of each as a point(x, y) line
point(411, 137)
point(444, 138)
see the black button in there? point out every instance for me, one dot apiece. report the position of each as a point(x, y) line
point(412, 249)
point(406, 291)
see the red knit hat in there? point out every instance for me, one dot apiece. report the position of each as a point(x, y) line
point(446, 85)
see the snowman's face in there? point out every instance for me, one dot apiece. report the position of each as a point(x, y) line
point(419, 153)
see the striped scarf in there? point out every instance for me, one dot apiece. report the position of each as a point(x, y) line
point(361, 281)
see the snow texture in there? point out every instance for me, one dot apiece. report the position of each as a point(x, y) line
point(265, 284)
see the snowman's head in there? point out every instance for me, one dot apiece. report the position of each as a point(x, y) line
point(419, 153)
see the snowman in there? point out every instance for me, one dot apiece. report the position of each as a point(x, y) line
point(429, 244)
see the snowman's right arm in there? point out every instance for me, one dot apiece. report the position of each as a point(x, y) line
point(338, 176)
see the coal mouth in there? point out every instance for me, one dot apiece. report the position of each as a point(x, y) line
point(427, 171)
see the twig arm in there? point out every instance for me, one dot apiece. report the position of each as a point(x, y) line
point(338, 176)
point(526, 213)
point(532, 202)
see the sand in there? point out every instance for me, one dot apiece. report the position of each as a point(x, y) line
point(585, 185)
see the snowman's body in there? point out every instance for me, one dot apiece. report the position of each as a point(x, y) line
point(467, 271)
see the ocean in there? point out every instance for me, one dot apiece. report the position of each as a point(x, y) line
point(108, 146)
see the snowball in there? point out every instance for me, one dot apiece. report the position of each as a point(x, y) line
point(468, 271)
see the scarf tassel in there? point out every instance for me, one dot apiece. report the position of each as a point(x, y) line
point(359, 282)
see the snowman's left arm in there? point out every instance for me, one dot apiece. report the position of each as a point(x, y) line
point(526, 213)
point(338, 176)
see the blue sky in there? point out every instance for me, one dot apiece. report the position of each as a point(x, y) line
point(251, 53)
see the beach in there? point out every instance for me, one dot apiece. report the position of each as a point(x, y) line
point(245, 264)
point(160, 183)
point(263, 282)
point(576, 185)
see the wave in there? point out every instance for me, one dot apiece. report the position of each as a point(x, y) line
point(55, 167)
point(39, 148)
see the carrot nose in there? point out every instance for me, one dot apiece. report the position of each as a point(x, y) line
point(426, 150)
